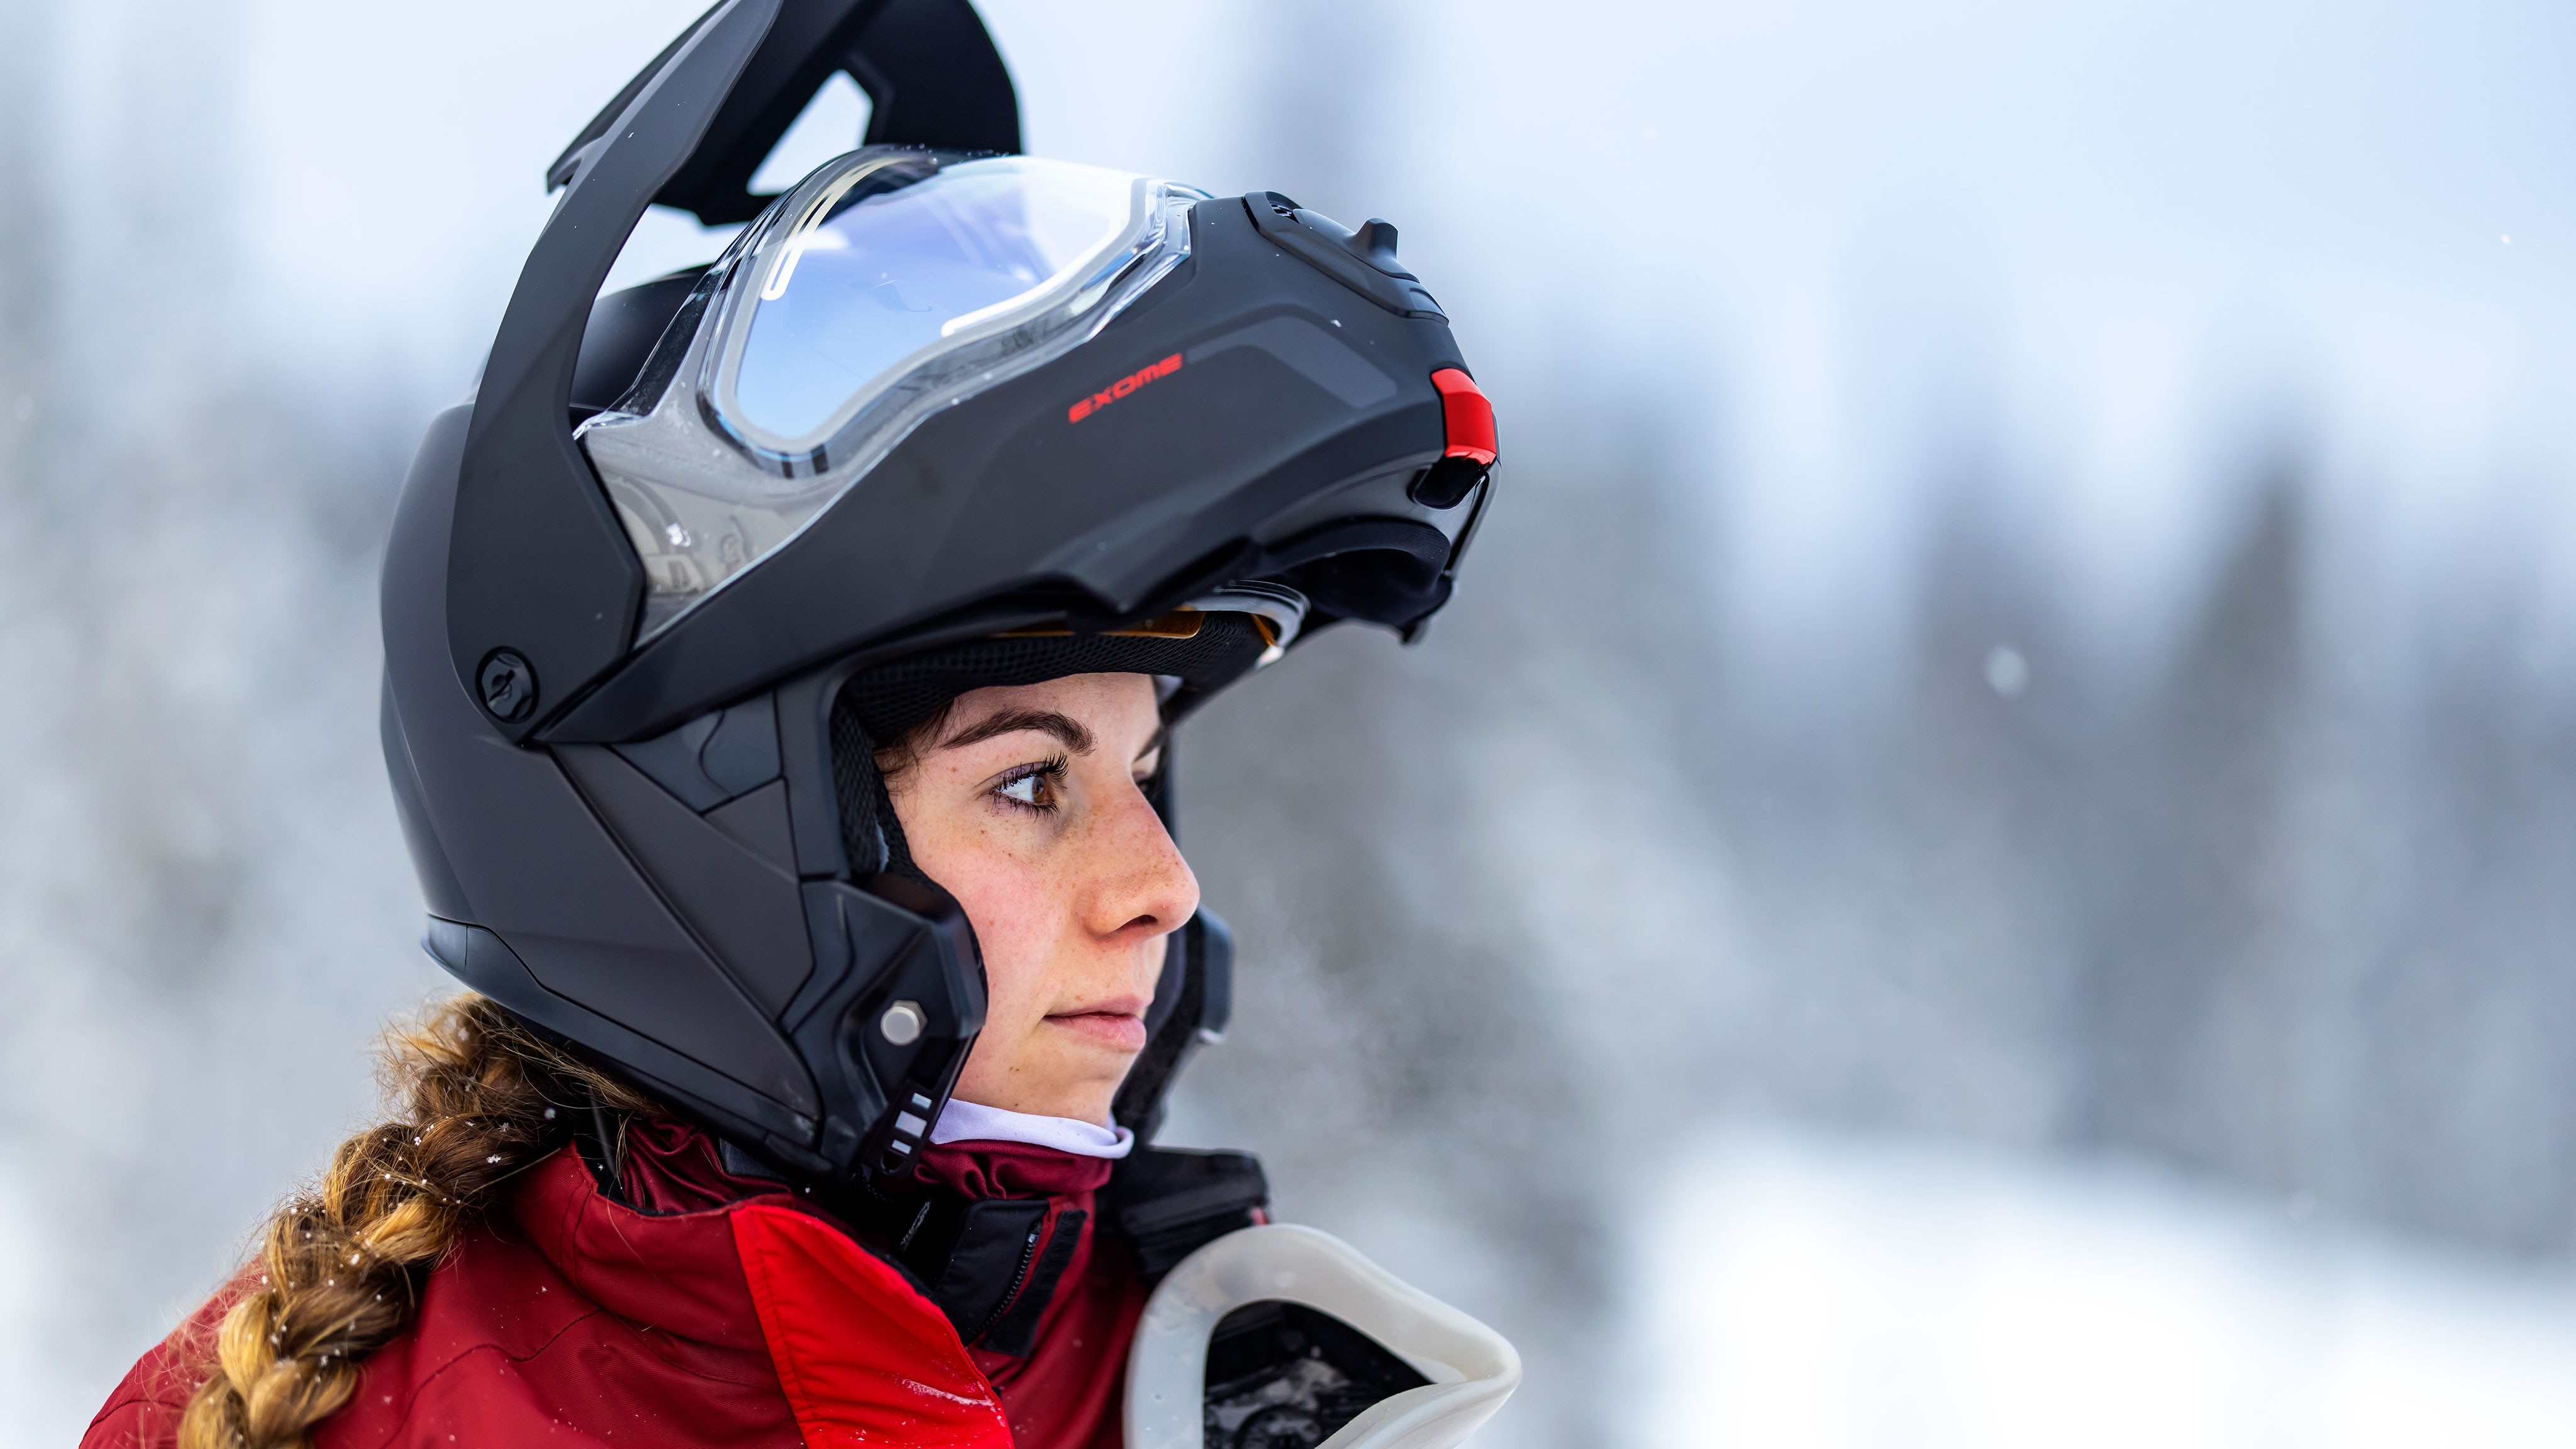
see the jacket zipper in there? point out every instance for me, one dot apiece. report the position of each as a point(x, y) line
point(1019, 1280)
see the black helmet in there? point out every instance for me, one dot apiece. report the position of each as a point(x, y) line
point(942, 416)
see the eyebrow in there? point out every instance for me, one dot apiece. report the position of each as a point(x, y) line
point(1011, 721)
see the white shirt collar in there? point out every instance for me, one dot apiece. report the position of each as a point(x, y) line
point(975, 1122)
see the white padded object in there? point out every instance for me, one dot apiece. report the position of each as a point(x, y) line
point(1472, 1368)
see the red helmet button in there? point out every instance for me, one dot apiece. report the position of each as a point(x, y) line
point(1467, 416)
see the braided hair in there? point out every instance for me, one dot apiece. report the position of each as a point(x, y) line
point(478, 1097)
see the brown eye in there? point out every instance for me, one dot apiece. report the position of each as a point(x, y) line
point(1034, 788)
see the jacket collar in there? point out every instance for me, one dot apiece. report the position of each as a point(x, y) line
point(666, 1248)
point(1010, 1169)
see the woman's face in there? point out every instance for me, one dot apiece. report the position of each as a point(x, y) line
point(1027, 805)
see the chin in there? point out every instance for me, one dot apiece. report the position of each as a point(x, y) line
point(1092, 1081)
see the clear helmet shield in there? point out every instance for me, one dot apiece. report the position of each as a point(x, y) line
point(890, 283)
point(893, 259)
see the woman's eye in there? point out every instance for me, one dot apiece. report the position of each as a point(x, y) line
point(1035, 788)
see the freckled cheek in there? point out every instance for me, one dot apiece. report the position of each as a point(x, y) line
point(1016, 911)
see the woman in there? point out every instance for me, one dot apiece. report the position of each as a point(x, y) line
point(782, 756)
point(1028, 801)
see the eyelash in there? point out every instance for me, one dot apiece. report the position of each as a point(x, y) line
point(1051, 772)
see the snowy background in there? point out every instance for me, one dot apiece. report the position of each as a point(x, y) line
point(1984, 858)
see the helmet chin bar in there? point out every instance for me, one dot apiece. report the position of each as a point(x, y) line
point(903, 1005)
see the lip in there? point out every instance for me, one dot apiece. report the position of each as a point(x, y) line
point(1118, 1025)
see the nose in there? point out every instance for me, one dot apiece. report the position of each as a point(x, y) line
point(1143, 888)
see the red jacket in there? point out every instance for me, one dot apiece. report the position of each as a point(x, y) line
point(715, 1310)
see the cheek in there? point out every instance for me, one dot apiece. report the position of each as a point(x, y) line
point(1012, 906)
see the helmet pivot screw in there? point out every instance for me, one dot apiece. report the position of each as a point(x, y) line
point(508, 685)
point(903, 1023)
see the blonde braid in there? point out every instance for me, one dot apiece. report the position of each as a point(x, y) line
point(481, 1097)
